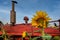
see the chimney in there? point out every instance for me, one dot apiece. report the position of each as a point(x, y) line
point(13, 14)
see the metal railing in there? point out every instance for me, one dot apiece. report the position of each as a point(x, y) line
point(56, 21)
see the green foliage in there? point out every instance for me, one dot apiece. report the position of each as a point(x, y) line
point(30, 38)
point(56, 38)
point(1, 23)
point(4, 34)
point(35, 38)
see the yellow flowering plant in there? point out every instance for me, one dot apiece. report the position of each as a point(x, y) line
point(24, 34)
point(40, 19)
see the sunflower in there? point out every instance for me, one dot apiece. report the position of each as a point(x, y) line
point(40, 19)
point(24, 34)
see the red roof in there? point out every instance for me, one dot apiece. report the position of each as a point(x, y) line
point(18, 29)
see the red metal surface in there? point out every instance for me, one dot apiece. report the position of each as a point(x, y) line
point(0, 32)
point(18, 29)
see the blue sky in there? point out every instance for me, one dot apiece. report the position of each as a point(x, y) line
point(28, 8)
